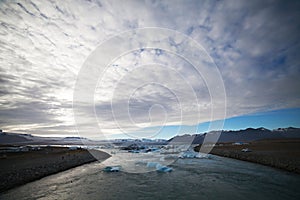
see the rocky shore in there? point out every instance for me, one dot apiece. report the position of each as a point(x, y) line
point(18, 168)
point(279, 153)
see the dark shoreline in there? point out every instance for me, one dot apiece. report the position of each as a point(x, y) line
point(18, 168)
point(278, 153)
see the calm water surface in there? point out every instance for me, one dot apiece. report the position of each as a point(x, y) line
point(214, 178)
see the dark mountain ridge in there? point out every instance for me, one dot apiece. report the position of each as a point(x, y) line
point(246, 135)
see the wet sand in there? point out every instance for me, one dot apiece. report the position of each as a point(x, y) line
point(18, 168)
point(280, 153)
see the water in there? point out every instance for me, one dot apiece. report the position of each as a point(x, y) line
point(215, 178)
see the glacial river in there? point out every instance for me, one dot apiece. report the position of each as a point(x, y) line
point(214, 178)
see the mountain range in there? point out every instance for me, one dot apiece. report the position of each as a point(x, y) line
point(246, 135)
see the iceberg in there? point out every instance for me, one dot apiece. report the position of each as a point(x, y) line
point(193, 154)
point(112, 169)
point(161, 168)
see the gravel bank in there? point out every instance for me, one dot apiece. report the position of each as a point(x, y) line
point(18, 168)
point(279, 153)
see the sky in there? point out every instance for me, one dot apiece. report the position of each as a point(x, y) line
point(200, 62)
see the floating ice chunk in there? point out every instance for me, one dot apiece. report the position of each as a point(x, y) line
point(161, 168)
point(187, 155)
point(111, 169)
point(246, 150)
point(191, 154)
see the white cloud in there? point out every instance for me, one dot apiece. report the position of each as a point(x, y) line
point(44, 44)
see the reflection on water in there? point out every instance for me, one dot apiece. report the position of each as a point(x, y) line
point(214, 178)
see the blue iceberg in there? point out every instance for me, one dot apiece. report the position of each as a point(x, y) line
point(112, 169)
point(159, 167)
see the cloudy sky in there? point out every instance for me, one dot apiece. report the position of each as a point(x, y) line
point(247, 55)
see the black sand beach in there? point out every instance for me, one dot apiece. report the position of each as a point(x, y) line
point(18, 168)
point(279, 153)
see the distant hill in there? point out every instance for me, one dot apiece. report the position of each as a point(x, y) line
point(247, 135)
point(27, 139)
point(7, 138)
point(17, 138)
